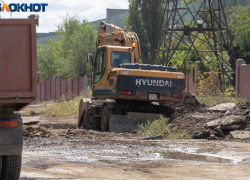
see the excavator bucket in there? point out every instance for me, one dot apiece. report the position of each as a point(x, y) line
point(83, 107)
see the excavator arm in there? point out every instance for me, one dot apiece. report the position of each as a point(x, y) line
point(121, 37)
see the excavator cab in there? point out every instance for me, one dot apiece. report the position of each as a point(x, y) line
point(105, 60)
point(118, 58)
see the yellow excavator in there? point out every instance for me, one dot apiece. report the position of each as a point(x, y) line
point(126, 93)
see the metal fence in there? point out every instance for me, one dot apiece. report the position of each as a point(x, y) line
point(54, 88)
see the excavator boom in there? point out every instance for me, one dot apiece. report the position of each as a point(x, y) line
point(121, 37)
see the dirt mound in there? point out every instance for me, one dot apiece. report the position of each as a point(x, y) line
point(190, 116)
point(195, 123)
point(197, 120)
point(35, 131)
point(190, 104)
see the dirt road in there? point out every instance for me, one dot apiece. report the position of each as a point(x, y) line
point(68, 153)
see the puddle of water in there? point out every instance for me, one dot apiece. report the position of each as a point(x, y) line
point(194, 157)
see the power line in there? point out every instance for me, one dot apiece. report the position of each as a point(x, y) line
point(75, 12)
point(53, 3)
point(105, 13)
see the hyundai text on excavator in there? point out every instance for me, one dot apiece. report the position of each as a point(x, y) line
point(126, 93)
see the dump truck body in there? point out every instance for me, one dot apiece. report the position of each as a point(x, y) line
point(18, 66)
point(18, 87)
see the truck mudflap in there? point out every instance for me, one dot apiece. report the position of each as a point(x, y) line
point(11, 141)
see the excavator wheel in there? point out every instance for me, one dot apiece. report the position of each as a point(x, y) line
point(89, 118)
point(91, 121)
point(105, 118)
point(81, 114)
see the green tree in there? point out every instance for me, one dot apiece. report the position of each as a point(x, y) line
point(145, 18)
point(46, 60)
point(77, 39)
point(239, 24)
point(189, 2)
point(67, 55)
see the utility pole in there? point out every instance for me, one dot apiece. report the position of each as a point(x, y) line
point(185, 24)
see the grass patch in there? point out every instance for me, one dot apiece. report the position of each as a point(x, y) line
point(161, 126)
point(36, 110)
point(67, 106)
point(212, 100)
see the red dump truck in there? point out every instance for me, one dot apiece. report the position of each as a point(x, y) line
point(18, 88)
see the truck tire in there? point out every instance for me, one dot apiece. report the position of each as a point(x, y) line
point(105, 118)
point(11, 167)
point(0, 166)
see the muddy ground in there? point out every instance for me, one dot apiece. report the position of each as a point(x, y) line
point(56, 149)
point(60, 151)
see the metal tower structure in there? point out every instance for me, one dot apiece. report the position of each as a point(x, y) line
point(200, 28)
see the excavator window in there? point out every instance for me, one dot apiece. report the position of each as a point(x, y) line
point(100, 64)
point(118, 58)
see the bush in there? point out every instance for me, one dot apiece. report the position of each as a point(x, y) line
point(211, 92)
point(161, 126)
point(223, 97)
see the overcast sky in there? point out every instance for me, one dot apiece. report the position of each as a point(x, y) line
point(91, 10)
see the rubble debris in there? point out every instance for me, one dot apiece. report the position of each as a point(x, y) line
point(226, 121)
point(240, 134)
point(213, 137)
point(31, 122)
point(240, 109)
point(222, 107)
point(159, 136)
point(205, 123)
point(33, 113)
point(135, 131)
point(35, 131)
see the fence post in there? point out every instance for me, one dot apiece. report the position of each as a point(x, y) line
point(196, 77)
point(188, 76)
point(85, 82)
point(237, 75)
